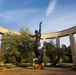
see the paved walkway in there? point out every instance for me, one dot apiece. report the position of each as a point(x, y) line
point(46, 71)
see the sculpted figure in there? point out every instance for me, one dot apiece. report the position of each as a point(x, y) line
point(37, 36)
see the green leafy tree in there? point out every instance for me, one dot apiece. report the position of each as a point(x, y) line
point(67, 56)
point(10, 45)
point(18, 46)
point(26, 47)
point(53, 52)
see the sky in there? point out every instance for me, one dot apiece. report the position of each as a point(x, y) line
point(56, 15)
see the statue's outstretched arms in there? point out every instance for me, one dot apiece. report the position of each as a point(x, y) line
point(31, 35)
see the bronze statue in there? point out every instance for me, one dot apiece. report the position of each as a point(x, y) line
point(37, 40)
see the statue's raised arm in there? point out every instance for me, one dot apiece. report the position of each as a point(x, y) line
point(40, 28)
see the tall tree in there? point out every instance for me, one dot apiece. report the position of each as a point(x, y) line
point(18, 46)
point(53, 52)
point(67, 56)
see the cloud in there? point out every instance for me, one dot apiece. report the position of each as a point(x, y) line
point(51, 7)
point(16, 15)
point(19, 18)
point(7, 17)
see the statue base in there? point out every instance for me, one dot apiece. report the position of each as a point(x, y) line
point(38, 66)
point(38, 62)
point(73, 67)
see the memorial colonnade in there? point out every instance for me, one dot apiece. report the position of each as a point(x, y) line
point(68, 32)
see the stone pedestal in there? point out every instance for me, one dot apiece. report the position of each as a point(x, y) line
point(38, 63)
point(73, 67)
point(38, 66)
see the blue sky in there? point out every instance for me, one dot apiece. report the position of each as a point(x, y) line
point(56, 14)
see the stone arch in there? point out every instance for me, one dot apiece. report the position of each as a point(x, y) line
point(68, 32)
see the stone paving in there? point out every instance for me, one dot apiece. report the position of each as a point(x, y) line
point(45, 71)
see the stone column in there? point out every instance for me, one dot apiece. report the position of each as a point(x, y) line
point(57, 42)
point(73, 47)
point(44, 55)
point(58, 45)
point(1, 54)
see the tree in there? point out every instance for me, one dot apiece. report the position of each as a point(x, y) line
point(10, 45)
point(18, 46)
point(67, 57)
point(53, 52)
point(69, 54)
point(26, 46)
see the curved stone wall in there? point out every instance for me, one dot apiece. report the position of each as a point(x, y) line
point(59, 33)
point(68, 32)
point(5, 30)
